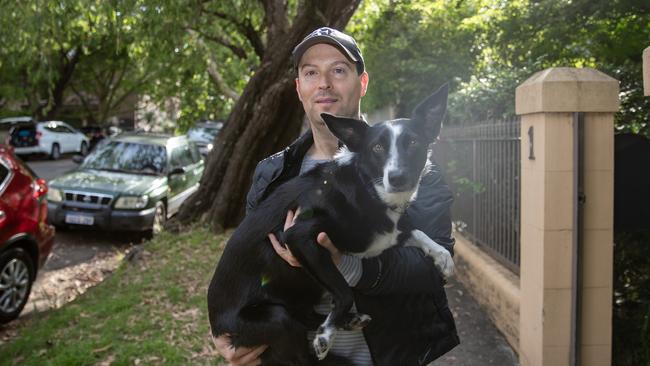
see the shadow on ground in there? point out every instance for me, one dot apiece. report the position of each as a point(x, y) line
point(480, 342)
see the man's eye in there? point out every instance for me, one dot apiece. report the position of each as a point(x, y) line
point(378, 148)
point(339, 70)
point(310, 73)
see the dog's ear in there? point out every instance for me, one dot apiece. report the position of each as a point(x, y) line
point(430, 112)
point(349, 131)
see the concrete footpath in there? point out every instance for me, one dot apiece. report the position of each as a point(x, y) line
point(480, 341)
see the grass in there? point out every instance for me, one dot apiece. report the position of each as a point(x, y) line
point(150, 311)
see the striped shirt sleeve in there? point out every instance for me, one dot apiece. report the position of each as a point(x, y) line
point(351, 269)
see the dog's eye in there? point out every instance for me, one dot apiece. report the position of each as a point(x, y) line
point(378, 148)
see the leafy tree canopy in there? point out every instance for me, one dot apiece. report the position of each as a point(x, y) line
point(488, 47)
point(201, 54)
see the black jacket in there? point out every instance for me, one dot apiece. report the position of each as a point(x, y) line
point(401, 289)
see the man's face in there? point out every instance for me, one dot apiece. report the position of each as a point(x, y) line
point(328, 82)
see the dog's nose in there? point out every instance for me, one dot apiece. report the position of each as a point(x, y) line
point(397, 179)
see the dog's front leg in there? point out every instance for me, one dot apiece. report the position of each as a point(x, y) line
point(317, 262)
point(441, 256)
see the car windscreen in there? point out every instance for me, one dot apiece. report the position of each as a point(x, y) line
point(128, 157)
point(202, 133)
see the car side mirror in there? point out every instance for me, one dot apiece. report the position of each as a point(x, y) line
point(176, 171)
point(78, 159)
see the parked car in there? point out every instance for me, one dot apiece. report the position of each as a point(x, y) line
point(26, 239)
point(203, 135)
point(131, 182)
point(52, 138)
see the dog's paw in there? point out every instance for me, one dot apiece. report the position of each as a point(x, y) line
point(444, 262)
point(323, 342)
point(358, 322)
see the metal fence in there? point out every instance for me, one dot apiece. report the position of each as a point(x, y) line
point(481, 164)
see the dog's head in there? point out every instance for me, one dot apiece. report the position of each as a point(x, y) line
point(393, 154)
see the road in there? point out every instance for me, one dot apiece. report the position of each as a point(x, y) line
point(80, 259)
point(76, 246)
point(50, 169)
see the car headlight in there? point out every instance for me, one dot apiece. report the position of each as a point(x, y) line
point(132, 202)
point(54, 195)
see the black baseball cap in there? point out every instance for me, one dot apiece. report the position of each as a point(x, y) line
point(340, 40)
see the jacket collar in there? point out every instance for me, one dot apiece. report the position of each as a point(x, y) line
point(295, 152)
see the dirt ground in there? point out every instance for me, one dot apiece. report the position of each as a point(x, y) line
point(59, 284)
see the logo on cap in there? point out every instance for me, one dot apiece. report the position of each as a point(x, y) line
point(323, 31)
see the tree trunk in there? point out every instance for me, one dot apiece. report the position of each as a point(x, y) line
point(66, 71)
point(265, 119)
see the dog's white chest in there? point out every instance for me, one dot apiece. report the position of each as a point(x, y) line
point(383, 241)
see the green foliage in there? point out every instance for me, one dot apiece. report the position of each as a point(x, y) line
point(631, 341)
point(150, 311)
point(412, 47)
point(518, 38)
point(488, 47)
point(203, 33)
point(98, 53)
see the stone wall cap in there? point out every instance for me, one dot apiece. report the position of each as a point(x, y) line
point(567, 89)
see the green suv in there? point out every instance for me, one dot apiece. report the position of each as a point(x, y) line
point(132, 182)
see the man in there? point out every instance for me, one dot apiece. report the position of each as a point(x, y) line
point(401, 289)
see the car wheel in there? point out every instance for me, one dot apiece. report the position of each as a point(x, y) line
point(16, 278)
point(83, 150)
point(55, 154)
point(159, 219)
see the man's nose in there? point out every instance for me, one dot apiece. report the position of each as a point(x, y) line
point(324, 82)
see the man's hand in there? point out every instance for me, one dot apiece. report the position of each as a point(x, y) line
point(325, 241)
point(282, 249)
point(240, 356)
point(284, 252)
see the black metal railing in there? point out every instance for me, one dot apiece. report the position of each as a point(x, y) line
point(481, 164)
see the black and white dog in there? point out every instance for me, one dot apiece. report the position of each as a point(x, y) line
point(358, 200)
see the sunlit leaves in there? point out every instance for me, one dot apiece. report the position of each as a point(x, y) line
point(413, 46)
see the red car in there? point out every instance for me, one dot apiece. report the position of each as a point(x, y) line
point(26, 239)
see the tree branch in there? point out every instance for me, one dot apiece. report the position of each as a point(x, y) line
point(112, 88)
point(84, 102)
point(238, 51)
point(213, 71)
point(66, 70)
point(245, 27)
point(216, 78)
point(131, 90)
point(276, 18)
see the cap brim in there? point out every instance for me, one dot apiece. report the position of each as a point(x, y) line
point(304, 46)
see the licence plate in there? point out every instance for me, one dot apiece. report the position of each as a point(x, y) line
point(79, 219)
